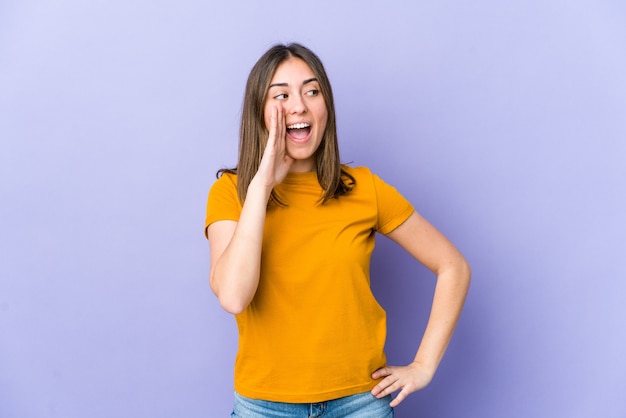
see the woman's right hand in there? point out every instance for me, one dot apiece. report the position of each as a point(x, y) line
point(275, 162)
point(236, 246)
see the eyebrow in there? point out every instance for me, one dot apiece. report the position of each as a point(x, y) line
point(305, 82)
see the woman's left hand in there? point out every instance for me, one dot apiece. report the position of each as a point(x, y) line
point(406, 379)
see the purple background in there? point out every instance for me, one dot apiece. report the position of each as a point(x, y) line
point(504, 123)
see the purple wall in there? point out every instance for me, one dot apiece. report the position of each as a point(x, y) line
point(504, 124)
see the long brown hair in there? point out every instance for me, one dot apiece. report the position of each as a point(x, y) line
point(253, 133)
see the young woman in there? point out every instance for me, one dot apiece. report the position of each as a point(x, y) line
point(291, 232)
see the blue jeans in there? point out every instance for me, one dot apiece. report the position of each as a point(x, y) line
point(362, 405)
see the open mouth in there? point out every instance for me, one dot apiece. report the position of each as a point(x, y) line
point(299, 131)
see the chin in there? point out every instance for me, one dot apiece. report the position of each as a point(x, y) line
point(300, 154)
point(301, 159)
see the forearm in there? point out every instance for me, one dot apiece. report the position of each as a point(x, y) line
point(450, 292)
point(235, 276)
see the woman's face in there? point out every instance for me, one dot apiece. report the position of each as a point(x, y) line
point(295, 88)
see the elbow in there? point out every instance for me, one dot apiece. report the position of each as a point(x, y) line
point(465, 267)
point(231, 306)
point(458, 270)
point(465, 271)
point(234, 296)
point(231, 302)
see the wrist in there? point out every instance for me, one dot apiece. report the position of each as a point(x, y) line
point(426, 367)
point(258, 187)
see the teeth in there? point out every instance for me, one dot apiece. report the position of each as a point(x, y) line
point(298, 126)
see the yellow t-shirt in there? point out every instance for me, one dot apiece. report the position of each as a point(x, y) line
point(313, 331)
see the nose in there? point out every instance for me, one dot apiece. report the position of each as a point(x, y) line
point(296, 105)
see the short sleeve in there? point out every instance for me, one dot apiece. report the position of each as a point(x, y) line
point(393, 208)
point(223, 202)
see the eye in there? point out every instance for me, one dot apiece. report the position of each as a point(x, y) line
point(313, 92)
point(281, 96)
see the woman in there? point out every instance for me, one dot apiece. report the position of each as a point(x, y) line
point(291, 232)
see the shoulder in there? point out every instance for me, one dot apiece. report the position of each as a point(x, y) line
point(355, 170)
point(363, 175)
point(359, 173)
point(223, 202)
point(228, 177)
point(369, 182)
point(225, 181)
point(224, 189)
